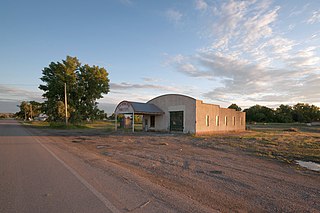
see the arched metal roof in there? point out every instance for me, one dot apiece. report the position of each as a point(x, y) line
point(137, 108)
point(178, 95)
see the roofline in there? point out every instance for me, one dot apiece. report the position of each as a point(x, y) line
point(139, 112)
point(119, 104)
point(170, 95)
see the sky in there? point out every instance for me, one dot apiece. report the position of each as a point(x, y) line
point(220, 51)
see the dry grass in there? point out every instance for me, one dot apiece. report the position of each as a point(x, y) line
point(283, 142)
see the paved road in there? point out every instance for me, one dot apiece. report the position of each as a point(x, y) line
point(34, 179)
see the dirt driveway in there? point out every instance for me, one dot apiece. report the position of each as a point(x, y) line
point(220, 178)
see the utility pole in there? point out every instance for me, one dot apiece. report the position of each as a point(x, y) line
point(65, 102)
point(31, 111)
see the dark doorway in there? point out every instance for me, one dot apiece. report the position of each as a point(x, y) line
point(176, 121)
point(152, 121)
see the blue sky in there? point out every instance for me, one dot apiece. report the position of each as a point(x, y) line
point(245, 52)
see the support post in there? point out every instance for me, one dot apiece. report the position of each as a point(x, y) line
point(31, 111)
point(133, 122)
point(116, 122)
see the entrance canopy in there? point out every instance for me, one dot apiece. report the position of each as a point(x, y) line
point(136, 108)
point(128, 107)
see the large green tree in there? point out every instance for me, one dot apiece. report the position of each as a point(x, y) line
point(259, 113)
point(284, 114)
point(305, 113)
point(85, 84)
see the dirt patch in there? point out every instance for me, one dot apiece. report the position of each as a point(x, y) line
point(222, 172)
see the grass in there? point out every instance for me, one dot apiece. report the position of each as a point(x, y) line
point(102, 125)
point(54, 125)
point(285, 142)
point(36, 123)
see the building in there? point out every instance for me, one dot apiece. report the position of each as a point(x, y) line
point(180, 113)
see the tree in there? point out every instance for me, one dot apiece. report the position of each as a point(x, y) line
point(284, 114)
point(85, 84)
point(259, 113)
point(29, 109)
point(300, 112)
point(305, 113)
point(234, 106)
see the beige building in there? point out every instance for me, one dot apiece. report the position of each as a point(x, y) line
point(180, 113)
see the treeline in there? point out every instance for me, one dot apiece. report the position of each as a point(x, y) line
point(33, 110)
point(301, 112)
point(6, 115)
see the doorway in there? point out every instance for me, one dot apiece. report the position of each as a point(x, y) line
point(176, 121)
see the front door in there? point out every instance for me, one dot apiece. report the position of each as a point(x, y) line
point(176, 121)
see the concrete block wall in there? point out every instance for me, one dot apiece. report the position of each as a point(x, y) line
point(228, 119)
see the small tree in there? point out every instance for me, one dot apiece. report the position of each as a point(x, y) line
point(29, 109)
point(234, 106)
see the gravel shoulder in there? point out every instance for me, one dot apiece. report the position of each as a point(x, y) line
point(181, 170)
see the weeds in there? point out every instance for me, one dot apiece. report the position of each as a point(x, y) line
point(273, 141)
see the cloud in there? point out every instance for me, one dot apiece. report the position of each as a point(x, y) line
point(18, 94)
point(201, 5)
point(315, 18)
point(137, 92)
point(298, 10)
point(253, 61)
point(9, 106)
point(128, 86)
point(174, 15)
point(305, 58)
point(147, 79)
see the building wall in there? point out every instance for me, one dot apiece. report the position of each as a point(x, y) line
point(198, 117)
point(228, 119)
point(173, 102)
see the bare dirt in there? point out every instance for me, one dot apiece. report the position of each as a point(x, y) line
point(219, 178)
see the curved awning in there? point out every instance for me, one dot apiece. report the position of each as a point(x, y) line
point(128, 107)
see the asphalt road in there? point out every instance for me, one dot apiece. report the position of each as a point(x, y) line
point(34, 179)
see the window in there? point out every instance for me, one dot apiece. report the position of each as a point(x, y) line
point(241, 123)
point(217, 120)
point(234, 120)
point(152, 121)
point(207, 120)
point(225, 120)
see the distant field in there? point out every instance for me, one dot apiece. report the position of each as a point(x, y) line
point(285, 142)
point(283, 126)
